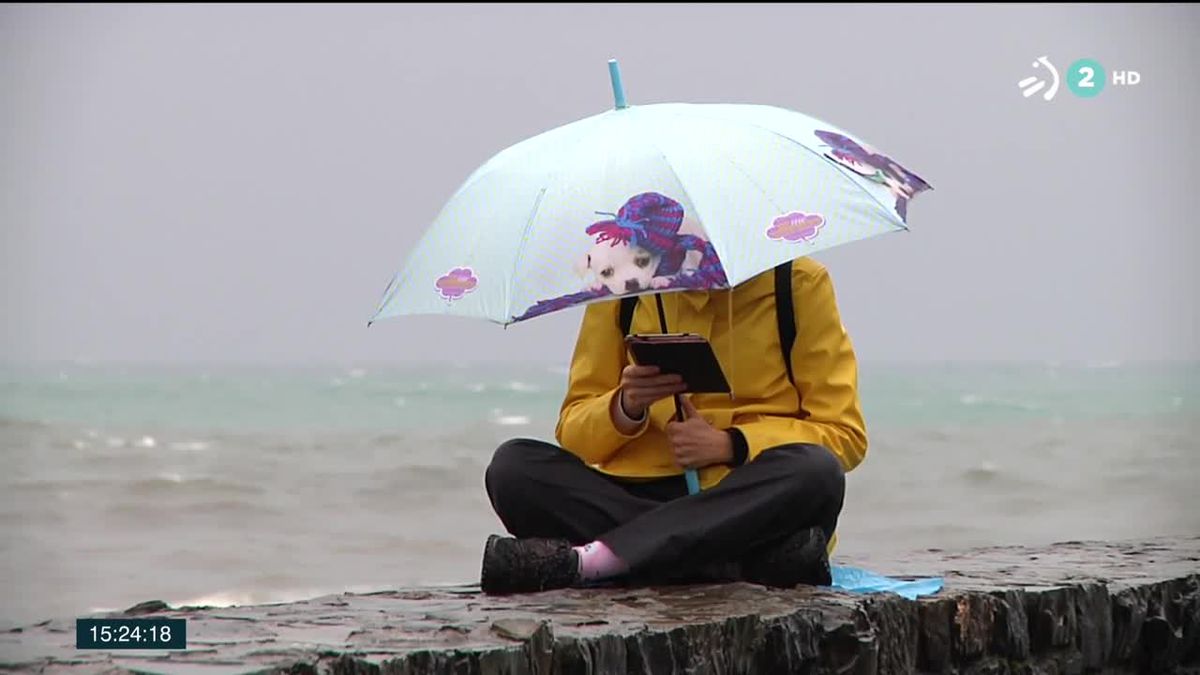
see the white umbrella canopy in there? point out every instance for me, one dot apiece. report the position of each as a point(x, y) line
point(644, 199)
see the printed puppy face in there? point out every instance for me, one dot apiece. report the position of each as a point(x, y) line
point(621, 268)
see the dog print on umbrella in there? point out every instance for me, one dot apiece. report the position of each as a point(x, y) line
point(863, 160)
point(640, 248)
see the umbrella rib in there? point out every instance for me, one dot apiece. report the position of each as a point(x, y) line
point(549, 182)
point(679, 180)
point(489, 167)
point(732, 162)
point(537, 204)
point(845, 172)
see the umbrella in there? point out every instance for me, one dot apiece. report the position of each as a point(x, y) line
point(647, 199)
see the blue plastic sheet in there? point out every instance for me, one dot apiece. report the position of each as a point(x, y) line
point(858, 580)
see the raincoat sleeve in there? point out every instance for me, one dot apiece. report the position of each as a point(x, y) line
point(826, 379)
point(585, 425)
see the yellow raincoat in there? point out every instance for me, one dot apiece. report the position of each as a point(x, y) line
point(823, 408)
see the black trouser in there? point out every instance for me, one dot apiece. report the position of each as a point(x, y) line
point(540, 490)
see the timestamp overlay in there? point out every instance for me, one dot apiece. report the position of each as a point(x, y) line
point(131, 634)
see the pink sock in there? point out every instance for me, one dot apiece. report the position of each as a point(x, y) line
point(597, 561)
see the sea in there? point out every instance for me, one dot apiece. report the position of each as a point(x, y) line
point(229, 485)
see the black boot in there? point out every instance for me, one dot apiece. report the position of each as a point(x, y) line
point(801, 558)
point(528, 565)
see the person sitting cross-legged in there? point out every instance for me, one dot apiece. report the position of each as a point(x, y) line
point(609, 501)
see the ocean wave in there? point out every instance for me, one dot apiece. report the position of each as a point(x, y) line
point(979, 400)
point(139, 509)
point(500, 418)
point(58, 485)
point(22, 424)
point(175, 482)
point(985, 471)
point(420, 481)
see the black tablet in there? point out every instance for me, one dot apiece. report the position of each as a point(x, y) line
point(686, 354)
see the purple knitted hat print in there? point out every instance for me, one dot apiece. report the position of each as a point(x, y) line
point(649, 220)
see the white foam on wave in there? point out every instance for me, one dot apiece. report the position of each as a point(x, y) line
point(976, 399)
point(188, 446)
point(522, 387)
point(115, 442)
point(171, 476)
point(358, 373)
point(80, 445)
point(498, 417)
point(146, 442)
point(476, 387)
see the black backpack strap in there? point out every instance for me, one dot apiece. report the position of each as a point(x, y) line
point(628, 305)
point(785, 314)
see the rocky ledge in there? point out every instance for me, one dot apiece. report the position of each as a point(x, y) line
point(1074, 607)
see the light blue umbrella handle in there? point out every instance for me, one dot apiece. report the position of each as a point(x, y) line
point(614, 72)
point(693, 478)
point(691, 475)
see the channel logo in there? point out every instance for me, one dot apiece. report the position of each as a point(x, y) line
point(1085, 78)
point(1034, 83)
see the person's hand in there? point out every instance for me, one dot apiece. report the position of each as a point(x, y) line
point(643, 385)
point(696, 443)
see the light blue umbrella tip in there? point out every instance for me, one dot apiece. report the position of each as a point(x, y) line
point(614, 72)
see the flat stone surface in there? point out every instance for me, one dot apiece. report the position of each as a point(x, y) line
point(1071, 607)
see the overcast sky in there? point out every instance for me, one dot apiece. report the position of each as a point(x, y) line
point(186, 183)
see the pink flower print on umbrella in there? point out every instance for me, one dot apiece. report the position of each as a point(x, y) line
point(796, 226)
point(457, 283)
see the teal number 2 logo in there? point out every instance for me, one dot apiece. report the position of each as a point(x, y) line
point(1086, 78)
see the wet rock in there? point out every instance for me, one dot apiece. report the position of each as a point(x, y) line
point(517, 629)
point(1077, 607)
point(148, 607)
